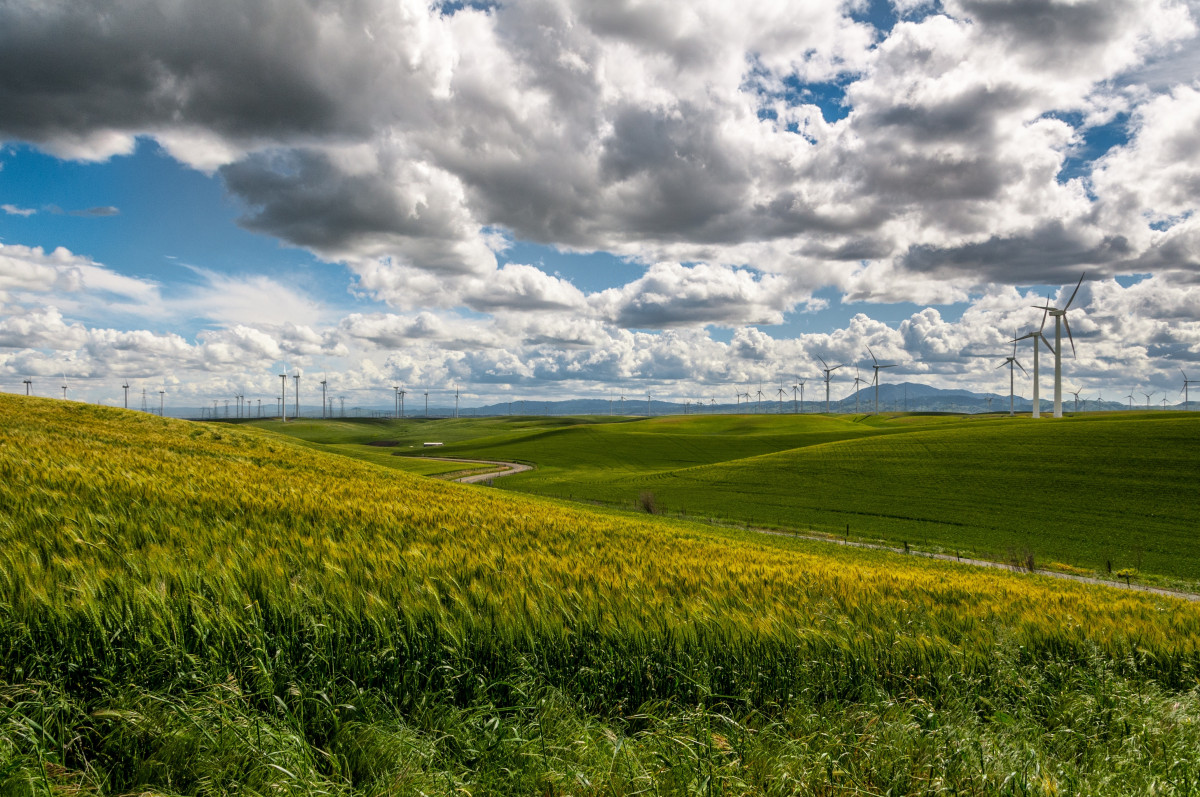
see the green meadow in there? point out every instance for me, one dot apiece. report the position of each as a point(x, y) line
point(204, 609)
point(1104, 493)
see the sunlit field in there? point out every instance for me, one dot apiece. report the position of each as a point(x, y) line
point(197, 608)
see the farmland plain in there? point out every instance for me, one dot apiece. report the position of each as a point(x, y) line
point(1098, 492)
point(200, 609)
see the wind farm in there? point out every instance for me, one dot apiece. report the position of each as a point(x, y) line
point(615, 548)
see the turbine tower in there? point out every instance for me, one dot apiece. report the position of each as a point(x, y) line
point(1060, 320)
point(1037, 335)
point(426, 403)
point(28, 386)
point(857, 381)
point(782, 393)
point(1148, 395)
point(1010, 362)
point(402, 393)
point(647, 405)
point(64, 387)
point(828, 371)
point(795, 405)
point(1130, 397)
point(125, 387)
point(875, 364)
point(456, 402)
point(758, 403)
point(296, 376)
point(1187, 382)
point(283, 396)
point(161, 395)
point(1076, 393)
point(324, 382)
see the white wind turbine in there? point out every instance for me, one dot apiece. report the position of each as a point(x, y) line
point(875, 379)
point(1037, 335)
point(1060, 320)
point(800, 384)
point(456, 402)
point(828, 371)
point(1187, 382)
point(1148, 395)
point(1076, 393)
point(857, 381)
point(1010, 362)
point(283, 396)
point(125, 387)
point(782, 393)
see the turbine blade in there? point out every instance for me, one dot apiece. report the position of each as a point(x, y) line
point(1021, 367)
point(872, 355)
point(1048, 346)
point(1045, 312)
point(1071, 338)
point(1081, 276)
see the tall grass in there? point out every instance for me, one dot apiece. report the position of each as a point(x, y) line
point(194, 609)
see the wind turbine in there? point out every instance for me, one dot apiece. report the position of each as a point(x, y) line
point(395, 401)
point(283, 397)
point(1076, 393)
point(1148, 395)
point(622, 405)
point(1037, 335)
point(1060, 320)
point(426, 403)
point(857, 381)
point(124, 386)
point(324, 383)
point(400, 393)
point(828, 371)
point(875, 364)
point(1130, 397)
point(648, 404)
point(1010, 362)
point(296, 376)
point(758, 403)
point(161, 395)
point(782, 393)
point(64, 387)
point(29, 386)
point(456, 402)
point(795, 406)
point(1187, 382)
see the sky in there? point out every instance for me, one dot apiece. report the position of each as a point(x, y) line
point(554, 199)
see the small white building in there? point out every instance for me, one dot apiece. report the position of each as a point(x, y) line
point(433, 445)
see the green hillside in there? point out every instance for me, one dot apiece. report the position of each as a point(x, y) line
point(1095, 491)
point(202, 609)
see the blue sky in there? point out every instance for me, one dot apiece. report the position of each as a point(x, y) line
point(566, 198)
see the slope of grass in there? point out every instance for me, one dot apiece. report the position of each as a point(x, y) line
point(1099, 492)
point(194, 609)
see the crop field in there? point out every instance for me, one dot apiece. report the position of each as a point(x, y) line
point(203, 609)
point(1100, 492)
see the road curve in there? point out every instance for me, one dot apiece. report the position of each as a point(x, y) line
point(471, 478)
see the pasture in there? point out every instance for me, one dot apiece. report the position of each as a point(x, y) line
point(199, 608)
point(1101, 492)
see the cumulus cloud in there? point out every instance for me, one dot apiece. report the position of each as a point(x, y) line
point(408, 141)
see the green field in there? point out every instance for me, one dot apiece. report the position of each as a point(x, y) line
point(1099, 492)
point(204, 609)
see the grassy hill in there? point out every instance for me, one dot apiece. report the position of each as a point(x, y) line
point(1097, 491)
point(198, 609)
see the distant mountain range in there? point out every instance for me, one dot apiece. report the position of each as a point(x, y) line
point(902, 397)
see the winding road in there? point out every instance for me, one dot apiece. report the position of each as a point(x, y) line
point(472, 478)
